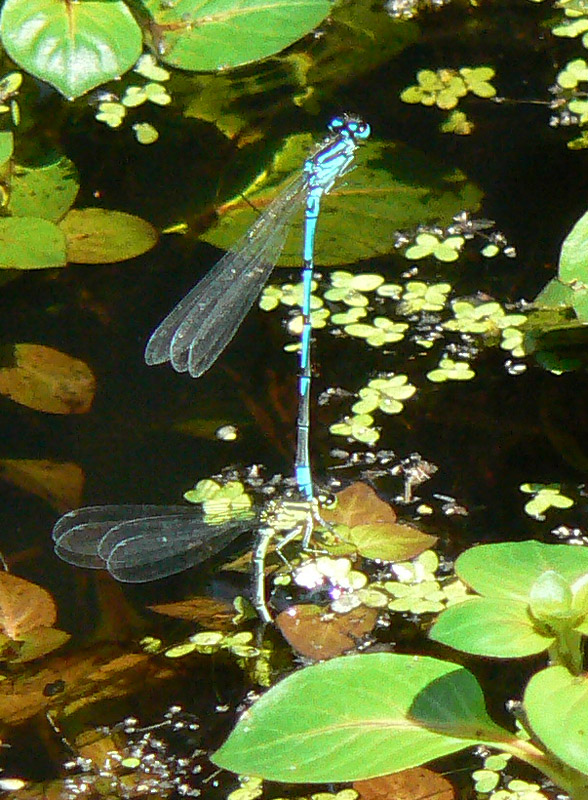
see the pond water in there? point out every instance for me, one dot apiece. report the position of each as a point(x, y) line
point(150, 433)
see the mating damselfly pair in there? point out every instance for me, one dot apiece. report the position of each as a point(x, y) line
point(141, 543)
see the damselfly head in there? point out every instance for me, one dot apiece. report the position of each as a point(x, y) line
point(351, 125)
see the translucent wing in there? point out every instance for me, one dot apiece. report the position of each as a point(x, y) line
point(141, 543)
point(199, 328)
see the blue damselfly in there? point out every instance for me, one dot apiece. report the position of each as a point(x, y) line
point(200, 327)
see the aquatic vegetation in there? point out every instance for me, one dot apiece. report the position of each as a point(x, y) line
point(545, 496)
point(538, 603)
point(451, 370)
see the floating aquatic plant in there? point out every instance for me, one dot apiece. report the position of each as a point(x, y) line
point(545, 496)
point(450, 370)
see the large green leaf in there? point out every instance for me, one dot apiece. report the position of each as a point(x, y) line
point(358, 717)
point(509, 569)
point(556, 706)
point(73, 46)
point(30, 243)
point(496, 628)
point(209, 35)
point(6, 146)
point(46, 192)
point(573, 260)
point(390, 187)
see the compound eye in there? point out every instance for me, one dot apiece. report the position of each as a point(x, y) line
point(363, 130)
point(327, 499)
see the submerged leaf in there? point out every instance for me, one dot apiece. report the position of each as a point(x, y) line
point(24, 606)
point(59, 483)
point(48, 380)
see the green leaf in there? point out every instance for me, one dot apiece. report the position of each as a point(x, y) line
point(509, 569)
point(99, 236)
point(73, 46)
point(580, 303)
point(221, 34)
point(47, 191)
point(556, 707)
point(555, 294)
point(389, 541)
point(30, 243)
point(489, 627)
point(390, 185)
point(358, 717)
point(573, 260)
point(6, 146)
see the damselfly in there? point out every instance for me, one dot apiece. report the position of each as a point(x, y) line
point(199, 328)
point(141, 543)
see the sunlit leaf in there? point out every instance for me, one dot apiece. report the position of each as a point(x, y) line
point(556, 706)
point(573, 261)
point(358, 717)
point(215, 35)
point(30, 243)
point(74, 46)
point(390, 541)
point(100, 236)
point(59, 483)
point(47, 380)
point(46, 192)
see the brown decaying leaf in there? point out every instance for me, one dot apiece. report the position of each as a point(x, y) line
point(373, 529)
point(209, 613)
point(418, 783)
point(359, 504)
point(319, 635)
point(60, 484)
point(24, 606)
point(47, 380)
point(89, 677)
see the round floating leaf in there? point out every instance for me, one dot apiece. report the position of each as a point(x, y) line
point(220, 34)
point(99, 236)
point(556, 706)
point(145, 133)
point(46, 192)
point(358, 717)
point(73, 46)
point(30, 243)
point(359, 212)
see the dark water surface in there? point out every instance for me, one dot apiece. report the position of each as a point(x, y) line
point(487, 436)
